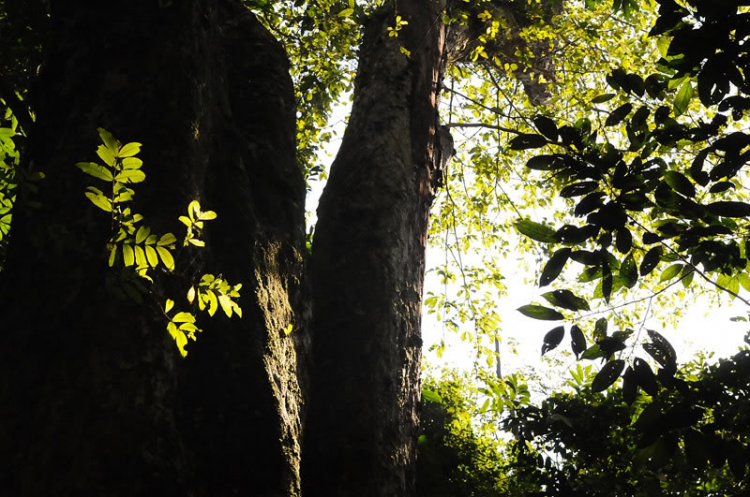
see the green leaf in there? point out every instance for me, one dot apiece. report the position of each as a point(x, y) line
point(729, 209)
point(207, 216)
point(660, 349)
point(540, 312)
point(108, 140)
point(605, 97)
point(179, 337)
point(95, 170)
point(553, 338)
point(183, 317)
point(536, 231)
point(140, 256)
point(554, 266)
point(567, 300)
point(112, 255)
point(346, 13)
point(544, 163)
point(651, 260)
point(577, 340)
point(151, 255)
point(431, 396)
point(166, 239)
point(226, 305)
point(618, 114)
point(682, 100)
point(547, 127)
point(142, 234)
point(629, 271)
point(194, 208)
point(526, 141)
point(100, 201)
point(131, 176)
point(600, 329)
point(128, 255)
point(679, 183)
point(166, 257)
point(131, 163)
point(624, 240)
point(592, 353)
point(213, 303)
point(671, 272)
point(608, 375)
point(129, 149)
point(645, 376)
point(106, 155)
point(629, 386)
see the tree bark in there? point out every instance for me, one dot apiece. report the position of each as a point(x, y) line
point(96, 400)
point(368, 265)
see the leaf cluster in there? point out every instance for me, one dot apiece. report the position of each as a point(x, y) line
point(640, 186)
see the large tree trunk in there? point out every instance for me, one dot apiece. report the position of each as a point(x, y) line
point(368, 266)
point(95, 397)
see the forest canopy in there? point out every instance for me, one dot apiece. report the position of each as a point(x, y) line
point(603, 144)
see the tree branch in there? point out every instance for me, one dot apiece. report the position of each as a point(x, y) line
point(483, 125)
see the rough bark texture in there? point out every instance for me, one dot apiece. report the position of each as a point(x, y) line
point(95, 398)
point(368, 266)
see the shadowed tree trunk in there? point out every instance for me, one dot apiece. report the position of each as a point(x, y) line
point(96, 399)
point(368, 266)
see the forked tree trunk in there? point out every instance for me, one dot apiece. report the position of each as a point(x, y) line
point(95, 398)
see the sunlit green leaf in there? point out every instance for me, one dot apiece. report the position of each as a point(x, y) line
point(166, 239)
point(106, 155)
point(108, 140)
point(129, 150)
point(151, 255)
point(682, 100)
point(671, 272)
point(166, 257)
point(95, 170)
point(100, 201)
point(128, 254)
point(130, 176)
point(142, 234)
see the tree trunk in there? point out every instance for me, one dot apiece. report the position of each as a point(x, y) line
point(96, 400)
point(368, 266)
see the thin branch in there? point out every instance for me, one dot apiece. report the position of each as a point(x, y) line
point(635, 301)
point(494, 110)
point(701, 273)
point(643, 323)
point(482, 125)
